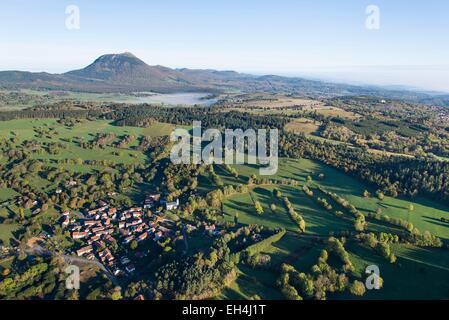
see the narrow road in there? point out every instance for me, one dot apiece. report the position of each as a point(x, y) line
point(78, 260)
point(39, 250)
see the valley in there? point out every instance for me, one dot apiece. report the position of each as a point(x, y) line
point(224, 160)
point(24, 98)
point(76, 157)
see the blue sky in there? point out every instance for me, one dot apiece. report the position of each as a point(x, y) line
point(317, 38)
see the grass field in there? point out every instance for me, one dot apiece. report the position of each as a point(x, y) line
point(6, 232)
point(291, 249)
point(87, 130)
point(425, 216)
point(7, 194)
point(419, 273)
point(25, 129)
point(251, 283)
point(318, 221)
point(69, 137)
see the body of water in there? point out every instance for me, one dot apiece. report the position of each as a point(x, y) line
point(185, 99)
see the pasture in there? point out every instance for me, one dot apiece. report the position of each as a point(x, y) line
point(70, 137)
point(411, 277)
point(72, 154)
point(6, 232)
point(426, 214)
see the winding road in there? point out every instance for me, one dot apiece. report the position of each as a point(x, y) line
point(39, 250)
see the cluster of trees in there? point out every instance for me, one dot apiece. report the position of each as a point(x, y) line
point(338, 133)
point(360, 223)
point(215, 177)
point(284, 285)
point(209, 117)
point(323, 278)
point(296, 217)
point(101, 140)
point(307, 191)
point(198, 276)
point(259, 260)
point(419, 144)
point(215, 198)
point(125, 141)
point(254, 180)
point(242, 238)
point(315, 285)
point(258, 207)
point(323, 202)
point(381, 244)
point(205, 273)
point(413, 235)
point(373, 107)
point(154, 147)
point(12, 285)
point(336, 247)
point(180, 179)
point(231, 170)
point(53, 113)
point(14, 98)
point(412, 129)
point(264, 244)
point(39, 279)
point(425, 239)
point(394, 175)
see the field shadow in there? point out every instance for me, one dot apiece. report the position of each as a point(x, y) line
point(389, 205)
point(232, 294)
point(432, 204)
point(436, 221)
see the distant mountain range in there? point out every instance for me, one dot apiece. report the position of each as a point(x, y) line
point(127, 73)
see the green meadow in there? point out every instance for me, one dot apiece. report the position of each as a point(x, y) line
point(25, 129)
point(69, 137)
point(411, 277)
point(418, 272)
point(46, 131)
point(7, 194)
point(426, 214)
point(6, 232)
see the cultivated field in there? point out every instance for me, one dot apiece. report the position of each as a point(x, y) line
point(303, 125)
point(278, 104)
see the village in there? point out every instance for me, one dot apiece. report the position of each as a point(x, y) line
point(104, 234)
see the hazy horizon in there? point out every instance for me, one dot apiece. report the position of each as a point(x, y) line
point(320, 39)
point(382, 76)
